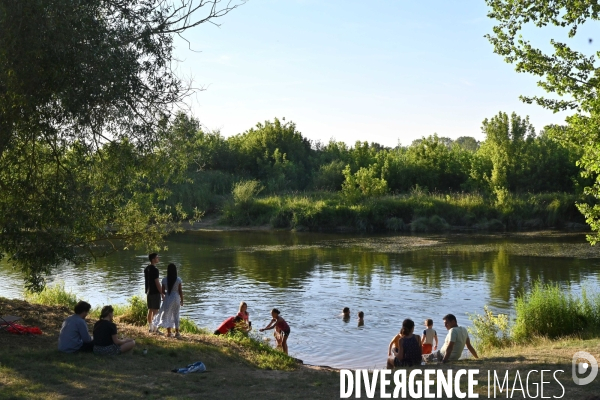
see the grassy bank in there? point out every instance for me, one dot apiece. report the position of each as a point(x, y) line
point(31, 366)
point(415, 212)
point(546, 312)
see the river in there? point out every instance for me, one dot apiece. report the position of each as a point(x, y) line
point(310, 277)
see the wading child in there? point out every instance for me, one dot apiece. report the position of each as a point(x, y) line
point(406, 346)
point(346, 314)
point(429, 335)
point(361, 318)
point(282, 329)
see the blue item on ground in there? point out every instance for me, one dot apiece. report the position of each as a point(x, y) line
point(195, 367)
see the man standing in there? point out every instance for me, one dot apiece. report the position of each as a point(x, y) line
point(74, 335)
point(153, 289)
point(456, 340)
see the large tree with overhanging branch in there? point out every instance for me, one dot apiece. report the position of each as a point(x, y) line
point(571, 77)
point(87, 90)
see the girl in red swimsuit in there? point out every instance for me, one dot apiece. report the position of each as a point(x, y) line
point(282, 329)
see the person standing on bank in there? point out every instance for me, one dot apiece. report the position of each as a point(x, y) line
point(153, 290)
point(168, 315)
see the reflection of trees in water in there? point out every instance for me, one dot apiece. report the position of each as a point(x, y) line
point(289, 261)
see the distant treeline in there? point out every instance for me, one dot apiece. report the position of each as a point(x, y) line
point(513, 158)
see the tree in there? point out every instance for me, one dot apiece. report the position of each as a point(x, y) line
point(505, 141)
point(570, 74)
point(84, 86)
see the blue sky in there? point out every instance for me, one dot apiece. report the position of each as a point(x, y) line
point(383, 71)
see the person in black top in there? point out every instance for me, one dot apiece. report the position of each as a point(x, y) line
point(106, 341)
point(153, 290)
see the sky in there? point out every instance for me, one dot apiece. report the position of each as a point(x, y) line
point(379, 71)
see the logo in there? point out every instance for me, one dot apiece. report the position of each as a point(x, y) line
point(581, 368)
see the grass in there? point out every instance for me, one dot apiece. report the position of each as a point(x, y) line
point(547, 311)
point(31, 367)
point(237, 366)
point(416, 212)
point(52, 296)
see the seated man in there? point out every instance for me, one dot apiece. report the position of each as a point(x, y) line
point(74, 334)
point(455, 342)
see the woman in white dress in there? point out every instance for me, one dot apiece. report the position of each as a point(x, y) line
point(168, 315)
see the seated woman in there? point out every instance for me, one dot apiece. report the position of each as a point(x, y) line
point(106, 341)
point(406, 346)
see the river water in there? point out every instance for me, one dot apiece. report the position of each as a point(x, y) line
point(310, 277)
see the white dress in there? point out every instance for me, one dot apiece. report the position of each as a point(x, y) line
point(168, 315)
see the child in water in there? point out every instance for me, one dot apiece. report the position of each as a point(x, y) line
point(361, 318)
point(429, 335)
point(282, 329)
point(346, 314)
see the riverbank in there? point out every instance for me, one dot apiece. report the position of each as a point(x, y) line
point(415, 212)
point(31, 367)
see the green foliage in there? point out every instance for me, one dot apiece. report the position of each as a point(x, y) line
point(394, 224)
point(86, 90)
point(364, 183)
point(245, 191)
point(489, 330)
point(329, 176)
point(570, 74)
point(432, 224)
point(55, 295)
point(549, 310)
point(135, 313)
point(186, 325)
point(261, 353)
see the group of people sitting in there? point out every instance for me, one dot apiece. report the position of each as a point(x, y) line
point(407, 349)
point(74, 336)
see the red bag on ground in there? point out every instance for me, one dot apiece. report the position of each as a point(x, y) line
point(21, 330)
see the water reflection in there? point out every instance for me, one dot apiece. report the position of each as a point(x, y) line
point(311, 277)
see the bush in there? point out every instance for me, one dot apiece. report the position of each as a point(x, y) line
point(329, 176)
point(363, 183)
point(262, 354)
point(245, 191)
point(394, 224)
point(135, 313)
point(490, 331)
point(53, 296)
point(547, 310)
point(186, 325)
point(432, 224)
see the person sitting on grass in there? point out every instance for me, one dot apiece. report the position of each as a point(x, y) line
point(282, 329)
point(405, 346)
point(455, 342)
point(74, 334)
point(106, 341)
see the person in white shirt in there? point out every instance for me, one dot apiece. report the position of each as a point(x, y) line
point(456, 340)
